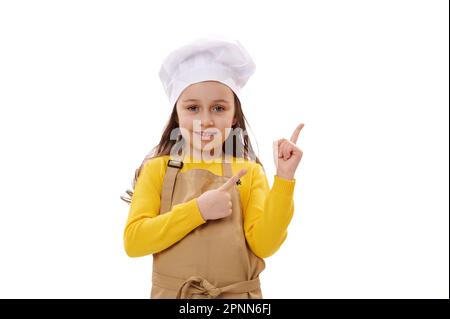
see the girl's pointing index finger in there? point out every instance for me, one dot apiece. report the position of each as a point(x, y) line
point(294, 136)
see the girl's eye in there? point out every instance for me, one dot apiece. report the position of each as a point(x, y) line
point(221, 108)
point(190, 107)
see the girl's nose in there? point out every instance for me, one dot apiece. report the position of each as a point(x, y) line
point(207, 120)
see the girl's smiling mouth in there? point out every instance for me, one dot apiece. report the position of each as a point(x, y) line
point(205, 136)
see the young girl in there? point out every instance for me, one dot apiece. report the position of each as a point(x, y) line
point(201, 205)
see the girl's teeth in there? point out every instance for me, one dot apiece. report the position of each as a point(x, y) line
point(205, 136)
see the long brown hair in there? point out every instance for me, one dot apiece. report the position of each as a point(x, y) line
point(166, 143)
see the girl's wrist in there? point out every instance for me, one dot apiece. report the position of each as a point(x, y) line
point(285, 176)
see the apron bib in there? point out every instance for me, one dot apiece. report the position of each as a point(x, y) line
point(213, 260)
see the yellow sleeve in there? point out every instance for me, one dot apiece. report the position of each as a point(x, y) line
point(148, 232)
point(268, 212)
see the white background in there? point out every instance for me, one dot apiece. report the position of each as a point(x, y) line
point(81, 105)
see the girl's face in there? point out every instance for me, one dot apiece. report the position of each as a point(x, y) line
point(206, 107)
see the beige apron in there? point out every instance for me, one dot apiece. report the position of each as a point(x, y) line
point(213, 260)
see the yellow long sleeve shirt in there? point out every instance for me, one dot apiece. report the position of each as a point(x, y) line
point(267, 211)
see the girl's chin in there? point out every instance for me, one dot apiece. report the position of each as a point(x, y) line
point(206, 146)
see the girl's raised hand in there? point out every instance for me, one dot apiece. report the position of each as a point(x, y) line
point(287, 155)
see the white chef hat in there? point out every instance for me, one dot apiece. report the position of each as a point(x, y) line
point(208, 58)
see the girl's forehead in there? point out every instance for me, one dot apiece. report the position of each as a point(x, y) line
point(207, 89)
